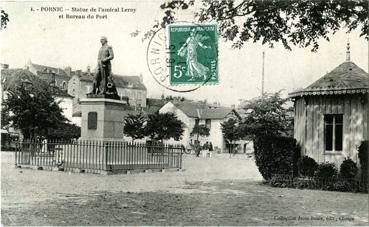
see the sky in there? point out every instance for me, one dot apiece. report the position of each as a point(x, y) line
point(43, 38)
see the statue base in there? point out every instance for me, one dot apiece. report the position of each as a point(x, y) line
point(104, 96)
point(102, 118)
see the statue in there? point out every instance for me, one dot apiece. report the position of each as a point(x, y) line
point(103, 84)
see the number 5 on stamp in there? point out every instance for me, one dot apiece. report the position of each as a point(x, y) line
point(193, 53)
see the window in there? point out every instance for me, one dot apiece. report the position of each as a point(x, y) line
point(197, 121)
point(208, 123)
point(64, 86)
point(333, 132)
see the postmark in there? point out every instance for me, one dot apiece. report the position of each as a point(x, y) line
point(181, 62)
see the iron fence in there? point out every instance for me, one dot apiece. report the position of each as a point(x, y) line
point(95, 156)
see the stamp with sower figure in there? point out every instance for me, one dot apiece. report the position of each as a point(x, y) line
point(193, 55)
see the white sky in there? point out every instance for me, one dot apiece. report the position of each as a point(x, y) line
point(44, 39)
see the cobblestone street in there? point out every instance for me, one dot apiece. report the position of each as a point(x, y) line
point(221, 190)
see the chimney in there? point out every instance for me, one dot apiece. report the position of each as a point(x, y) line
point(141, 78)
point(4, 66)
point(88, 69)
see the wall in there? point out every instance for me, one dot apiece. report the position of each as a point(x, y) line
point(309, 125)
point(215, 137)
point(136, 96)
point(188, 122)
point(66, 104)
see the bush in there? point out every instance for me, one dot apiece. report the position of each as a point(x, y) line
point(276, 155)
point(343, 185)
point(348, 169)
point(307, 166)
point(326, 170)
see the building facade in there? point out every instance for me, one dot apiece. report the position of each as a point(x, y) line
point(192, 113)
point(331, 115)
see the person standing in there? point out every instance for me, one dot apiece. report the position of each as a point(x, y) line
point(197, 148)
point(210, 149)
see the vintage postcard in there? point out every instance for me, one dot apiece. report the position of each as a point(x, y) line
point(184, 112)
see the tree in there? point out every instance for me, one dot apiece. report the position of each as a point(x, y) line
point(266, 116)
point(134, 126)
point(231, 132)
point(65, 131)
point(34, 111)
point(292, 22)
point(4, 19)
point(4, 119)
point(162, 126)
point(200, 130)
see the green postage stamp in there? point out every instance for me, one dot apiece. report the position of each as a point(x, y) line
point(193, 54)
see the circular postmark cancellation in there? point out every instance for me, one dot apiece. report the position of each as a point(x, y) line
point(184, 56)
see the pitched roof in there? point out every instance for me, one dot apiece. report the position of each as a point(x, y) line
point(44, 68)
point(13, 77)
point(203, 110)
point(347, 78)
point(133, 82)
point(84, 76)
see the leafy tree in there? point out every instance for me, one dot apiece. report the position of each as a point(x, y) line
point(65, 131)
point(200, 130)
point(267, 115)
point(292, 22)
point(134, 126)
point(231, 132)
point(4, 19)
point(162, 126)
point(34, 111)
point(4, 119)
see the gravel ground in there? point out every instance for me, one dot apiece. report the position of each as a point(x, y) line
point(213, 191)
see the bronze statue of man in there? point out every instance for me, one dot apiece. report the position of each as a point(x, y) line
point(103, 75)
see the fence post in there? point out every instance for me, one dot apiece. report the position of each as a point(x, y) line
point(106, 154)
point(180, 157)
point(15, 155)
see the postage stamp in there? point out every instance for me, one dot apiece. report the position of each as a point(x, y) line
point(193, 55)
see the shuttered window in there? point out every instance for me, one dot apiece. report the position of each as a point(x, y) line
point(333, 132)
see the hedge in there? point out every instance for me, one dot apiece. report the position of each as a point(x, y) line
point(307, 166)
point(329, 184)
point(348, 169)
point(276, 155)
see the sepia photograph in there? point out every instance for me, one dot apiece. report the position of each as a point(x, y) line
point(184, 112)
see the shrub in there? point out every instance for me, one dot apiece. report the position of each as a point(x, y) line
point(326, 170)
point(348, 169)
point(307, 166)
point(275, 155)
point(343, 185)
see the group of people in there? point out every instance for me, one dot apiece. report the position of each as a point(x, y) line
point(205, 149)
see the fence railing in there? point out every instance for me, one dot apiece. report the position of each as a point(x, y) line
point(111, 156)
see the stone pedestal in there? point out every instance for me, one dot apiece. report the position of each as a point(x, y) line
point(102, 119)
